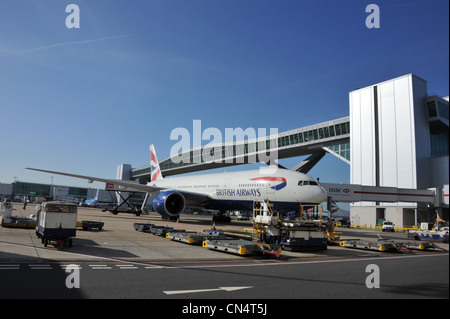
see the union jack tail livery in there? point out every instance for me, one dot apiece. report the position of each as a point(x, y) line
point(334, 207)
point(154, 165)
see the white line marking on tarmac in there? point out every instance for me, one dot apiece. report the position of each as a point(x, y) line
point(250, 264)
point(10, 267)
point(40, 267)
point(179, 292)
point(86, 255)
point(127, 266)
point(65, 266)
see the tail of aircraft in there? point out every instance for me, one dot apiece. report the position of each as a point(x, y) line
point(96, 195)
point(334, 207)
point(155, 171)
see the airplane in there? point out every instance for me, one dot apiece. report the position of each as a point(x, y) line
point(337, 211)
point(334, 208)
point(93, 201)
point(284, 189)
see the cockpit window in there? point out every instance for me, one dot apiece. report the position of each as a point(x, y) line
point(305, 183)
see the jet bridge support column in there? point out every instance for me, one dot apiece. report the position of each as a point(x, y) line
point(123, 174)
point(145, 201)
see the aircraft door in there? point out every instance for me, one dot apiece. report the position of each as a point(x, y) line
point(227, 183)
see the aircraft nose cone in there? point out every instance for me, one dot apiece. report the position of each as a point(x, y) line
point(321, 195)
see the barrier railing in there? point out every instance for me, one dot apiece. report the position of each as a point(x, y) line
point(405, 228)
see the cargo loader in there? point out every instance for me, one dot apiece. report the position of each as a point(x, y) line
point(300, 231)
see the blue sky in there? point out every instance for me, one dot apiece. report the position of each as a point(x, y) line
point(85, 100)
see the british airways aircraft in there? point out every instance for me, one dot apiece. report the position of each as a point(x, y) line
point(284, 189)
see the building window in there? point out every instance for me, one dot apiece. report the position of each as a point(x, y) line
point(321, 133)
point(31, 189)
point(78, 192)
point(432, 112)
point(315, 135)
point(332, 131)
point(443, 110)
point(439, 145)
point(344, 128)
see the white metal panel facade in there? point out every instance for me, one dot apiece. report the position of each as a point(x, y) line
point(362, 138)
point(397, 146)
point(362, 167)
point(404, 118)
point(422, 134)
point(387, 135)
point(386, 119)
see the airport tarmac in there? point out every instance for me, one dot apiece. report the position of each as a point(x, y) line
point(119, 241)
point(120, 262)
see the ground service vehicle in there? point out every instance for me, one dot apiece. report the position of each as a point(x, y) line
point(387, 226)
point(57, 221)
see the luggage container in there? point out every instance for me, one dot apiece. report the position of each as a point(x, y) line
point(88, 225)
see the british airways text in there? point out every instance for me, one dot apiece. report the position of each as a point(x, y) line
point(232, 192)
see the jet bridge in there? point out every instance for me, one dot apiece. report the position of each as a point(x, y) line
point(361, 193)
point(415, 204)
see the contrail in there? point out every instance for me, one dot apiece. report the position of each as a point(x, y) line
point(63, 44)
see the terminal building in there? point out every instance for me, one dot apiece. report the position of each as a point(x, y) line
point(398, 138)
point(36, 192)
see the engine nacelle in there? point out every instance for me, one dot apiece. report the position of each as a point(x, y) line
point(169, 203)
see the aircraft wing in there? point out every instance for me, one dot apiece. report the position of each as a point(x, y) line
point(128, 184)
point(193, 199)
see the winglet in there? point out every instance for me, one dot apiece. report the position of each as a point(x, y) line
point(155, 171)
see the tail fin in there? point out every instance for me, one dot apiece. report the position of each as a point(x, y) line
point(96, 195)
point(155, 171)
point(334, 207)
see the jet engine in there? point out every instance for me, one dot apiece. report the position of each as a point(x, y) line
point(169, 203)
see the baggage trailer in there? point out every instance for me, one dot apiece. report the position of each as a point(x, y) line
point(18, 222)
point(57, 221)
point(7, 220)
point(371, 245)
point(88, 225)
point(144, 227)
point(386, 245)
point(242, 247)
point(191, 238)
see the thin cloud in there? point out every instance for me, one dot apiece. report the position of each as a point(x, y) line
point(63, 44)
